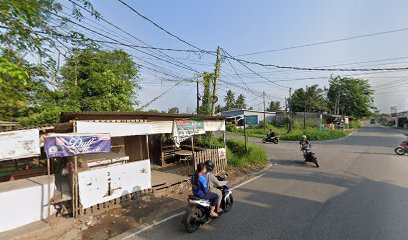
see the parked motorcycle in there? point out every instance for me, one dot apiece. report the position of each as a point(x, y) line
point(271, 138)
point(198, 212)
point(402, 148)
point(309, 155)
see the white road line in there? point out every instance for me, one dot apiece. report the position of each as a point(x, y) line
point(175, 215)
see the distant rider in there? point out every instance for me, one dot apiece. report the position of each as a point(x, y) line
point(303, 143)
point(214, 183)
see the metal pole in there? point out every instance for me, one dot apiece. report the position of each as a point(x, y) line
point(49, 186)
point(304, 113)
point(263, 95)
point(245, 135)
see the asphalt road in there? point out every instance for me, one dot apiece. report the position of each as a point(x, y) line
point(359, 192)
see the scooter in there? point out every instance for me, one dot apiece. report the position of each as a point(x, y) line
point(198, 212)
point(402, 148)
point(309, 155)
point(271, 138)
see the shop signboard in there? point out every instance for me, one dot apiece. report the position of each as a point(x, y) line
point(184, 129)
point(19, 144)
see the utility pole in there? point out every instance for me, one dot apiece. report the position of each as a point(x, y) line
point(263, 95)
point(304, 113)
point(216, 76)
point(290, 111)
point(198, 99)
point(245, 136)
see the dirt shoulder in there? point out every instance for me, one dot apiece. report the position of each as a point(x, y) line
point(144, 210)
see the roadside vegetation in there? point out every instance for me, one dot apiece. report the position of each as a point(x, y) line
point(313, 133)
point(254, 157)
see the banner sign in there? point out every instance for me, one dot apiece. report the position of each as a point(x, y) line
point(63, 145)
point(184, 129)
point(222, 154)
point(19, 144)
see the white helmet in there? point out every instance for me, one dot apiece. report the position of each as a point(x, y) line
point(304, 137)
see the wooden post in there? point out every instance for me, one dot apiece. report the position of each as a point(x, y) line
point(147, 146)
point(192, 150)
point(225, 141)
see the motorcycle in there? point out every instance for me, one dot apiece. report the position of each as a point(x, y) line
point(198, 212)
point(309, 155)
point(271, 138)
point(402, 148)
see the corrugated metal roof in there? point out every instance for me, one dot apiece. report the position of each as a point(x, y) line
point(68, 116)
point(57, 127)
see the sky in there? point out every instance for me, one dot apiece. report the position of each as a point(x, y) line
point(241, 27)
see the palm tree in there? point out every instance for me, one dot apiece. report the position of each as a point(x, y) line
point(240, 102)
point(229, 100)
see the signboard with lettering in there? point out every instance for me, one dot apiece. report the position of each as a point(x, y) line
point(184, 129)
point(63, 145)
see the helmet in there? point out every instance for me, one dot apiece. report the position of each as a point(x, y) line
point(304, 136)
point(210, 165)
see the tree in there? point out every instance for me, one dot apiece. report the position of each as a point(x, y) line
point(313, 99)
point(240, 102)
point(174, 110)
point(205, 108)
point(229, 100)
point(274, 106)
point(350, 96)
point(99, 80)
point(35, 27)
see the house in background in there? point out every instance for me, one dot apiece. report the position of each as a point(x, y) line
point(252, 117)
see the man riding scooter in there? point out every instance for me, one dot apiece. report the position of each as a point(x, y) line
point(214, 183)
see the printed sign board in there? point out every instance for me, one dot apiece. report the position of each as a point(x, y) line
point(19, 144)
point(222, 153)
point(184, 129)
point(107, 183)
point(63, 145)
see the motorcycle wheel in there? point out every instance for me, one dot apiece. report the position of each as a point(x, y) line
point(276, 141)
point(315, 162)
point(228, 203)
point(263, 140)
point(399, 151)
point(191, 219)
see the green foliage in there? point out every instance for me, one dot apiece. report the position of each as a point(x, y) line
point(205, 108)
point(355, 124)
point(240, 102)
point(355, 96)
point(237, 157)
point(229, 100)
point(314, 134)
point(314, 98)
point(98, 80)
point(274, 106)
point(208, 140)
point(174, 110)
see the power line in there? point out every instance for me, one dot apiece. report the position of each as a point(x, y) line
point(161, 28)
point(241, 62)
point(317, 69)
point(326, 42)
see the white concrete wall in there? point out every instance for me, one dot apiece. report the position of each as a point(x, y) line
point(24, 201)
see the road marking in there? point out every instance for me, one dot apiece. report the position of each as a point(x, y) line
point(174, 216)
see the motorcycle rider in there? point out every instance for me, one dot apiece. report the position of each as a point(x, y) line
point(304, 143)
point(214, 183)
point(200, 188)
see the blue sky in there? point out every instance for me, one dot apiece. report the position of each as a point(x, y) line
point(242, 27)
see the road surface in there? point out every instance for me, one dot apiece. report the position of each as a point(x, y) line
point(359, 192)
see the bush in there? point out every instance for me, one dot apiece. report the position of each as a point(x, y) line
point(314, 135)
point(355, 124)
point(237, 157)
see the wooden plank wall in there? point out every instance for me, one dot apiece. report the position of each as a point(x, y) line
point(210, 154)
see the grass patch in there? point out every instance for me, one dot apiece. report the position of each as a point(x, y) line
point(237, 157)
point(313, 134)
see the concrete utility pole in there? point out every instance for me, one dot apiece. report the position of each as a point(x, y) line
point(216, 76)
point(198, 99)
point(304, 113)
point(263, 95)
point(290, 113)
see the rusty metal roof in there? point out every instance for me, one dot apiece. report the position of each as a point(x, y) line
point(68, 116)
point(56, 128)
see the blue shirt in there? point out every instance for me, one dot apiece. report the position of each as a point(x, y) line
point(201, 187)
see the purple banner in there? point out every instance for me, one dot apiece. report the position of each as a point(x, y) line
point(64, 145)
